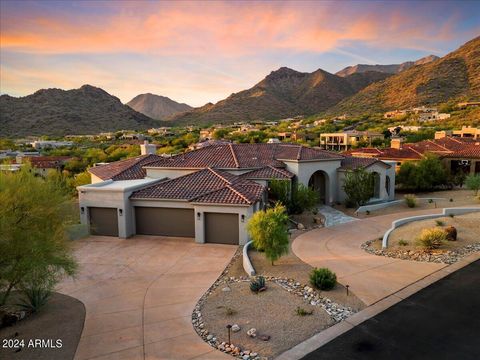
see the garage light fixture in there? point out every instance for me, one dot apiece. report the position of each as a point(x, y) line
point(82, 210)
point(199, 215)
point(120, 212)
point(242, 218)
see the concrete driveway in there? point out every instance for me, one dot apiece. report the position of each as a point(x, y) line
point(370, 277)
point(139, 294)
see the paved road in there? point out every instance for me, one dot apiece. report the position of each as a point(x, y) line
point(370, 277)
point(440, 322)
point(139, 294)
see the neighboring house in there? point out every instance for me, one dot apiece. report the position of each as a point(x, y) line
point(457, 153)
point(465, 132)
point(209, 194)
point(345, 140)
point(40, 164)
point(38, 144)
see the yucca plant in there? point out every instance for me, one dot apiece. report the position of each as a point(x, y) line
point(34, 299)
point(257, 284)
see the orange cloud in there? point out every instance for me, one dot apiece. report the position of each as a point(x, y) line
point(230, 28)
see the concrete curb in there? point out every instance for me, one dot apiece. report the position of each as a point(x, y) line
point(386, 204)
point(445, 212)
point(320, 339)
point(247, 264)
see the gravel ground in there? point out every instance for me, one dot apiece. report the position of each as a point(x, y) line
point(61, 319)
point(272, 312)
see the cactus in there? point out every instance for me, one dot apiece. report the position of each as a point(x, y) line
point(257, 284)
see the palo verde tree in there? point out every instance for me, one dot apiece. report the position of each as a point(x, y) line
point(268, 230)
point(358, 186)
point(473, 183)
point(34, 251)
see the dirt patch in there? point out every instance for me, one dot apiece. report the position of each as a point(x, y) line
point(62, 319)
point(459, 197)
point(272, 312)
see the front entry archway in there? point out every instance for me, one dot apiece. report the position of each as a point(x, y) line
point(319, 182)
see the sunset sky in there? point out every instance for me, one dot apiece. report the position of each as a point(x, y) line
point(196, 52)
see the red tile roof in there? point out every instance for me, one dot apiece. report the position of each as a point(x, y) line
point(205, 186)
point(471, 151)
point(128, 169)
point(352, 163)
point(244, 156)
point(46, 162)
point(268, 172)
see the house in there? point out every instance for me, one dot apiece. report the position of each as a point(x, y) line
point(467, 132)
point(432, 116)
point(467, 104)
point(345, 140)
point(40, 164)
point(457, 153)
point(210, 193)
point(40, 144)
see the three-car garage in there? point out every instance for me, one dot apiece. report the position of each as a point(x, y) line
point(165, 221)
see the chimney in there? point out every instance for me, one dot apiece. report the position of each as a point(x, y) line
point(396, 143)
point(147, 149)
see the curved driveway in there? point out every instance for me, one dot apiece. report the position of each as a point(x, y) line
point(139, 294)
point(370, 277)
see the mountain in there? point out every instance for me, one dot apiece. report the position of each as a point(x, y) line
point(388, 69)
point(157, 107)
point(283, 93)
point(452, 77)
point(87, 110)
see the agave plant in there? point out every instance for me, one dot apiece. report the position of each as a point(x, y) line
point(34, 298)
point(257, 284)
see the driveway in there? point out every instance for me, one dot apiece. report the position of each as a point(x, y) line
point(438, 322)
point(370, 277)
point(139, 294)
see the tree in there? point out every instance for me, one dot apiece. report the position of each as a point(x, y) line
point(426, 174)
point(33, 244)
point(268, 230)
point(358, 186)
point(473, 183)
point(295, 197)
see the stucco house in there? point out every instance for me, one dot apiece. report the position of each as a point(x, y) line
point(210, 193)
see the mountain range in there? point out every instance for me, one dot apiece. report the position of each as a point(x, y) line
point(156, 106)
point(283, 93)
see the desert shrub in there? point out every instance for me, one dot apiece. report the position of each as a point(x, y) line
point(425, 174)
point(402, 242)
point(34, 298)
point(452, 215)
point(257, 284)
point(439, 223)
point(411, 200)
point(432, 238)
point(473, 183)
point(451, 233)
point(323, 278)
point(296, 197)
point(302, 312)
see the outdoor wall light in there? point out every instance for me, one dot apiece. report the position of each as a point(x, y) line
point(199, 215)
point(82, 210)
point(120, 212)
point(242, 218)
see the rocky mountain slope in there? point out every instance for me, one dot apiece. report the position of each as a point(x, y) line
point(388, 69)
point(87, 110)
point(283, 93)
point(454, 76)
point(156, 106)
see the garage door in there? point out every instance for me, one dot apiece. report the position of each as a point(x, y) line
point(103, 221)
point(165, 221)
point(221, 228)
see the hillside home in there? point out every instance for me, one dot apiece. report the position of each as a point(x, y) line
point(210, 194)
point(345, 140)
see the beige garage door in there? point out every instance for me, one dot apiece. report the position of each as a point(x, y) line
point(165, 221)
point(221, 228)
point(103, 221)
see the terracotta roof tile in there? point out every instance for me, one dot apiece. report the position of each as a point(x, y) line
point(352, 163)
point(268, 172)
point(128, 169)
point(205, 186)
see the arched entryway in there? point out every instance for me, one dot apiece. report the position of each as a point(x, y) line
point(319, 182)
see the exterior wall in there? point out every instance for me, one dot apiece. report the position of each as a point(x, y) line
point(382, 171)
point(95, 179)
point(304, 170)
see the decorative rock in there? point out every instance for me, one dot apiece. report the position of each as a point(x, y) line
point(245, 357)
point(264, 337)
point(235, 328)
point(210, 337)
point(300, 226)
point(226, 289)
point(252, 332)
